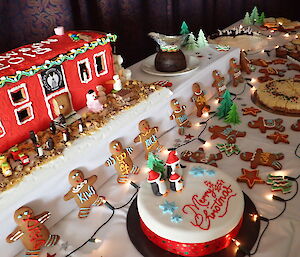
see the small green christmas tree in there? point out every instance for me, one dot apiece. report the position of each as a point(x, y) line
point(191, 43)
point(154, 163)
point(247, 20)
point(225, 105)
point(184, 29)
point(201, 40)
point(233, 116)
point(261, 19)
point(254, 15)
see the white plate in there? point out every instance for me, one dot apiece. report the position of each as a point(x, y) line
point(148, 67)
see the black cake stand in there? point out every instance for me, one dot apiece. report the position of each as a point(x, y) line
point(247, 235)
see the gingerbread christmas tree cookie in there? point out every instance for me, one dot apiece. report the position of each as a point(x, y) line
point(31, 229)
point(250, 177)
point(120, 158)
point(83, 192)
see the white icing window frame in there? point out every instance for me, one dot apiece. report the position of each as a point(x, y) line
point(27, 106)
point(88, 66)
point(15, 89)
point(3, 130)
point(104, 63)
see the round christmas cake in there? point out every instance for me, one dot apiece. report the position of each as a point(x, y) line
point(281, 95)
point(199, 219)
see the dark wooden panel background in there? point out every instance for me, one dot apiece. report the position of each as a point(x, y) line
point(26, 21)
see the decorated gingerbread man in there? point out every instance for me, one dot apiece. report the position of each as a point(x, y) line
point(266, 124)
point(199, 156)
point(199, 99)
point(219, 83)
point(179, 116)
point(226, 133)
point(32, 231)
point(245, 63)
point(148, 137)
point(122, 161)
point(83, 192)
point(263, 158)
point(235, 72)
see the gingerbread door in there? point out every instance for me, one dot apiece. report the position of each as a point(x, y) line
point(62, 104)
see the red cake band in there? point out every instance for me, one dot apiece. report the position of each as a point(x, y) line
point(191, 249)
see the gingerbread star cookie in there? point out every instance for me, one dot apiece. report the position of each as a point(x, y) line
point(278, 137)
point(250, 177)
point(250, 111)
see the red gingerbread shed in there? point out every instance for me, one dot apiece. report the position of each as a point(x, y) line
point(38, 82)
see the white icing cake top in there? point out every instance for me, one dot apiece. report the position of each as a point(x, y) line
point(210, 205)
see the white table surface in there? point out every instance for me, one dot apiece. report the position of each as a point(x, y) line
point(280, 240)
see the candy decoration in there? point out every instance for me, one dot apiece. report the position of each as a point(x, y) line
point(250, 177)
point(278, 137)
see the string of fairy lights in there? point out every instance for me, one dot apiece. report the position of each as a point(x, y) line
point(203, 125)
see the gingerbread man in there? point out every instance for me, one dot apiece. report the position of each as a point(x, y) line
point(148, 138)
point(267, 124)
point(235, 72)
point(296, 126)
point(32, 231)
point(199, 156)
point(246, 65)
point(122, 161)
point(219, 83)
point(263, 158)
point(83, 192)
point(179, 116)
point(226, 133)
point(199, 99)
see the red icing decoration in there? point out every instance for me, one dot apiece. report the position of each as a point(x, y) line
point(191, 249)
point(34, 233)
point(213, 204)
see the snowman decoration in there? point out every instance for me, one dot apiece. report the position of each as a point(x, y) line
point(92, 102)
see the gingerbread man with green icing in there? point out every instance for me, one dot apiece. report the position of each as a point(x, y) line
point(120, 158)
point(83, 192)
point(148, 137)
point(31, 229)
point(179, 116)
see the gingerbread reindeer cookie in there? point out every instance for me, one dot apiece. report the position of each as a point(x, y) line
point(32, 231)
point(219, 83)
point(199, 99)
point(235, 72)
point(179, 116)
point(83, 192)
point(148, 137)
point(122, 161)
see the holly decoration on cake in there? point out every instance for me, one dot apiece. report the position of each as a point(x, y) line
point(201, 40)
point(247, 20)
point(184, 29)
point(250, 177)
point(233, 116)
point(190, 42)
point(225, 105)
point(154, 163)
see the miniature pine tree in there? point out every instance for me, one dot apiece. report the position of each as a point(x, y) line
point(254, 15)
point(184, 29)
point(191, 43)
point(233, 115)
point(201, 40)
point(247, 20)
point(154, 163)
point(261, 19)
point(225, 105)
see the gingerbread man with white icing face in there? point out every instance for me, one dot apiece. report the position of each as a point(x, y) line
point(219, 83)
point(235, 72)
point(199, 99)
point(32, 231)
point(122, 161)
point(83, 192)
point(179, 116)
point(148, 138)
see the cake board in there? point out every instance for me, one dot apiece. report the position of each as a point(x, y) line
point(248, 234)
point(259, 104)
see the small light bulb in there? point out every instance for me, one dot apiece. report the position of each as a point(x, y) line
point(277, 46)
point(207, 144)
point(253, 80)
point(280, 23)
point(269, 197)
point(254, 217)
point(262, 51)
point(241, 26)
point(205, 114)
point(272, 31)
point(216, 101)
point(236, 242)
point(286, 35)
point(269, 36)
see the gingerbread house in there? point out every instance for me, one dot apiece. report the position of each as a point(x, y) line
point(38, 82)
